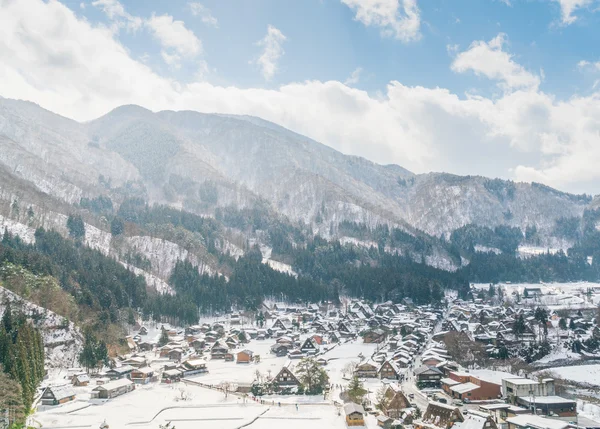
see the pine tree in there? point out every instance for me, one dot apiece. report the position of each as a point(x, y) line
point(562, 323)
point(164, 338)
point(356, 390)
point(76, 226)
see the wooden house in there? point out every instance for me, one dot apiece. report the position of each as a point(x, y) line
point(193, 366)
point(120, 372)
point(171, 376)
point(376, 336)
point(113, 389)
point(56, 395)
point(286, 378)
point(142, 375)
point(439, 415)
point(310, 346)
point(245, 356)
point(389, 370)
point(366, 370)
point(428, 375)
point(394, 402)
point(80, 380)
point(355, 414)
point(218, 351)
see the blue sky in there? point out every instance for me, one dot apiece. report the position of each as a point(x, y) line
point(501, 88)
point(325, 42)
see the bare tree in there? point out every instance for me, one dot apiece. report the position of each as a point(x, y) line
point(349, 369)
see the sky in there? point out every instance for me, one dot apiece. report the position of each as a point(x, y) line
point(500, 88)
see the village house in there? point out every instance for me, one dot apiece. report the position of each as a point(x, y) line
point(551, 406)
point(428, 375)
point(286, 378)
point(113, 389)
point(389, 370)
point(439, 415)
point(476, 420)
point(376, 336)
point(366, 370)
point(120, 372)
point(80, 379)
point(519, 387)
point(355, 414)
point(218, 351)
point(394, 402)
point(310, 346)
point(171, 376)
point(56, 395)
point(531, 421)
point(142, 375)
point(135, 361)
point(193, 366)
point(245, 356)
point(463, 385)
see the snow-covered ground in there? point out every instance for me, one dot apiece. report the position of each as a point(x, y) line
point(554, 296)
point(589, 374)
point(526, 251)
point(154, 404)
point(485, 249)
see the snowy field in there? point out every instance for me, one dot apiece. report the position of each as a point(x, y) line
point(581, 373)
point(148, 407)
point(555, 296)
point(191, 406)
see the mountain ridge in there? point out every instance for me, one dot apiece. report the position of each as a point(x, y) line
point(200, 161)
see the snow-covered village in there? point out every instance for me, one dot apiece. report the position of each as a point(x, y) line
point(299, 214)
point(515, 356)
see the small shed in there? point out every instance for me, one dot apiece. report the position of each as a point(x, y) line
point(80, 380)
point(245, 356)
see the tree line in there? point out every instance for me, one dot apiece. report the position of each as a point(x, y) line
point(21, 355)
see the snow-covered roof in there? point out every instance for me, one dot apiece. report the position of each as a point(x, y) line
point(547, 400)
point(115, 384)
point(351, 407)
point(62, 392)
point(464, 387)
point(537, 422)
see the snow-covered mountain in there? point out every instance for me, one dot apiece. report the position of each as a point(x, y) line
point(201, 161)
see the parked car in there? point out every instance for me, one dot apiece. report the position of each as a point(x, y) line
point(411, 396)
point(442, 400)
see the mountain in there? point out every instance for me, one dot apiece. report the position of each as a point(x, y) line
point(205, 162)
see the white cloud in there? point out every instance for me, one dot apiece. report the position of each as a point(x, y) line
point(272, 45)
point(396, 18)
point(489, 59)
point(176, 40)
point(452, 49)
point(74, 68)
point(117, 13)
point(198, 9)
point(568, 8)
point(354, 77)
point(172, 60)
point(585, 65)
